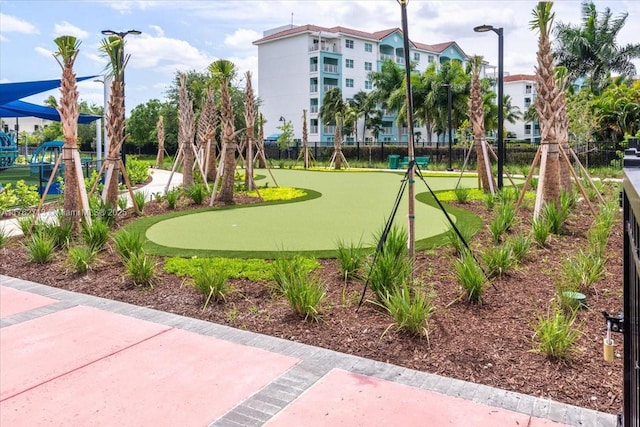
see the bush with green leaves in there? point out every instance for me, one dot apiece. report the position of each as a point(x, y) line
point(80, 258)
point(556, 334)
point(410, 310)
point(583, 269)
point(25, 224)
point(540, 231)
point(128, 242)
point(4, 237)
point(462, 194)
point(102, 211)
point(211, 282)
point(123, 202)
point(305, 295)
point(40, 247)
point(140, 199)
point(285, 270)
point(554, 217)
point(137, 170)
point(7, 198)
point(141, 268)
point(91, 180)
point(61, 233)
point(391, 268)
point(197, 192)
point(351, 257)
point(490, 201)
point(172, 197)
point(498, 260)
point(470, 277)
point(96, 235)
point(454, 239)
point(520, 245)
point(26, 195)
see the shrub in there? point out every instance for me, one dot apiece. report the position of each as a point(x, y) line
point(391, 268)
point(462, 194)
point(123, 202)
point(80, 258)
point(351, 259)
point(141, 268)
point(137, 170)
point(541, 230)
point(40, 247)
point(25, 224)
point(490, 201)
point(172, 197)
point(140, 199)
point(287, 270)
point(554, 217)
point(26, 195)
point(197, 193)
point(556, 334)
point(305, 295)
point(102, 211)
point(4, 237)
point(471, 277)
point(211, 283)
point(597, 236)
point(520, 245)
point(128, 242)
point(96, 235)
point(498, 259)
point(410, 311)
point(7, 198)
point(454, 240)
point(61, 234)
point(583, 270)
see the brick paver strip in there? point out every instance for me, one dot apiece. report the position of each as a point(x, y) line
point(13, 301)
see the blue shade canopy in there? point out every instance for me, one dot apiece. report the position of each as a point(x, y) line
point(14, 91)
point(26, 109)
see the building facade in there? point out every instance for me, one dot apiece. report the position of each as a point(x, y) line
point(522, 90)
point(297, 65)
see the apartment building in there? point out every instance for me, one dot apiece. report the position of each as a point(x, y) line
point(297, 65)
point(522, 90)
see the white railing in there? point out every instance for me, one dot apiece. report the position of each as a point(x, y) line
point(313, 89)
point(328, 68)
point(327, 88)
point(313, 109)
point(313, 68)
point(329, 129)
point(313, 129)
point(384, 56)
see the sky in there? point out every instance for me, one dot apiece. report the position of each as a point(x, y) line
point(181, 35)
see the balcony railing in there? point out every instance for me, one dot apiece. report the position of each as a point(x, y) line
point(313, 109)
point(327, 88)
point(313, 68)
point(326, 47)
point(329, 129)
point(384, 56)
point(313, 88)
point(328, 68)
point(313, 129)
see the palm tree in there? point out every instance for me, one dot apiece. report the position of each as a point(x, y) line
point(365, 106)
point(546, 105)
point(186, 131)
point(385, 82)
point(590, 50)
point(476, 115)
point(333, 110)
point(69, 113)
point(160, 133)
point(113, 49)
point(207, 125)
point(250, 120)
point(223, 71)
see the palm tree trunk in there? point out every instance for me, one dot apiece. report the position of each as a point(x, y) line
point(228, 174)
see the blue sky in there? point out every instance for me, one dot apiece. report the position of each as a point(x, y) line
point(189, 35)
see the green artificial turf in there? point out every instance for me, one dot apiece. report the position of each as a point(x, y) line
point(352, 207)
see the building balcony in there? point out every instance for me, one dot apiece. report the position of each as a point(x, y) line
point(313, 129)
point(328, 68)
point(313, 89)
point(329, 129)
point(313, 68)
point(325, 47)
point(327, 88)
point(313, 109)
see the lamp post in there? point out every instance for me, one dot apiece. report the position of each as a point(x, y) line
point(121, 60)
point(449, 107)
point(501, 147)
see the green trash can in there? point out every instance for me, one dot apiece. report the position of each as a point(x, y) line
point(394, 160)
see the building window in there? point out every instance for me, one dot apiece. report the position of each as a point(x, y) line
point(527, 102)
point(349, 83)
point(348, 44)
point(527, 129)
point(368, 66)
point(368, 47)
point(368, 85)
point(416, 56)
point(528, 88)
point(431, 59)
point(348, 63)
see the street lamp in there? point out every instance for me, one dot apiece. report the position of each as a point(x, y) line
point(501, 147)
point(122, 35)
point(449, 107)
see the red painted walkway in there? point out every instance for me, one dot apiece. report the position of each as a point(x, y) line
point(87, 366)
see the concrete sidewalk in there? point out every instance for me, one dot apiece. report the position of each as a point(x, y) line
point(76, 360)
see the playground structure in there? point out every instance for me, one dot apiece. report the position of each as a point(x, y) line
point(8, 150)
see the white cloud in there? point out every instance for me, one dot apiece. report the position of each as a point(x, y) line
point(43, 51)
point(67, 29)
point(11, 24)
point(242, 39)
point(159, 31)
point(165, 53)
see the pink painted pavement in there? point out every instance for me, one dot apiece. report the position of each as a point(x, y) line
point(177, 378)
point(13, 301)
point(347, 399)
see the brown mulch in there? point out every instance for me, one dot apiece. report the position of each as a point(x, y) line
point(488, 344)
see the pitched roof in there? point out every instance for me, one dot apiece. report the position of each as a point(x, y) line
point(519, 77)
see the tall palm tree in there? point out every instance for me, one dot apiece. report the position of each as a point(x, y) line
point(385, 82)
point(547, 104)
point(590, 49)
point(113, 49)
point(160, 133)
point(186, 132)
point(333, 110)
point(223, 72)
point(207, 125)
point(476, 115)
point(562, 126)
point(365, 107)
point(68, 49)
point(250, 113)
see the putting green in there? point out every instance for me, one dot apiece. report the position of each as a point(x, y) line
point(352, 208)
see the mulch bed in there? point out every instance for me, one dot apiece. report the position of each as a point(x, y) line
point(489, 344)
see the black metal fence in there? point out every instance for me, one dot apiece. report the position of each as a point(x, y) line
point(631, 216)
point(439, 153)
